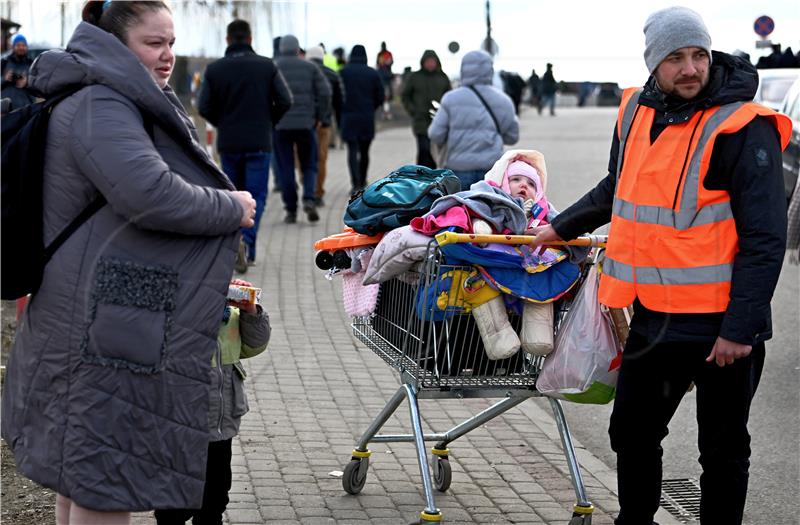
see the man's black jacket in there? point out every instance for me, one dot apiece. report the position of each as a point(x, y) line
point(746, 164)
point(243, 94)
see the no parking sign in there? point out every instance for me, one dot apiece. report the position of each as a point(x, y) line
point(763, 26)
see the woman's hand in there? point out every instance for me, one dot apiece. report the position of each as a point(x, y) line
point(248, 205)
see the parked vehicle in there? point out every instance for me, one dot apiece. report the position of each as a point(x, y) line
point(791, 155)
point(773, 85)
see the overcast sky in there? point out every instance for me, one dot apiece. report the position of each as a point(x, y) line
point(585, 40)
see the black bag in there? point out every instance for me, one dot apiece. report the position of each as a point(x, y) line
point(394, 200)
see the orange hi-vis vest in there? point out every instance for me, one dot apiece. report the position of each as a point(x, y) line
point(672, 242)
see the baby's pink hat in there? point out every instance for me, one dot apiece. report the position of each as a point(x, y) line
point(519, 167)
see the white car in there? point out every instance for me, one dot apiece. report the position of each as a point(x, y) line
point(773, 85)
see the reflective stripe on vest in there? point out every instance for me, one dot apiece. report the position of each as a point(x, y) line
point(717, 273)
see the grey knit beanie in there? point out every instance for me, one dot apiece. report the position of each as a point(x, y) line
point(670, 29)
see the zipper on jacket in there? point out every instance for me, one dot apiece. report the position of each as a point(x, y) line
point(221, 389)
point(685, 160)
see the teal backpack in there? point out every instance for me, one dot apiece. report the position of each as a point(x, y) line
point(394, 200)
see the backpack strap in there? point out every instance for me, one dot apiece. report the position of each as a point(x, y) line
point(491, 113)
point(93, 206)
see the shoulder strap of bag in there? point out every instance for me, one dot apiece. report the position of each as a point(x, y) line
point(491, 113)
point(91, 209)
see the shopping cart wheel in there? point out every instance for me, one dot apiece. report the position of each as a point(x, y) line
point(442, 474)
point(355, 475)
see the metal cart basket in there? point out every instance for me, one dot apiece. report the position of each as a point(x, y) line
point(439, 354)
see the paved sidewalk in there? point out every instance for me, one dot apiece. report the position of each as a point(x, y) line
point(316, 389)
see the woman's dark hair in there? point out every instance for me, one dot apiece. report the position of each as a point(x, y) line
point(118, 16)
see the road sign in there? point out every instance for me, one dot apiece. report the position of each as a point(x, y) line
point(764, 25)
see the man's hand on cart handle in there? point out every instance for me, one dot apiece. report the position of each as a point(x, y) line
point(726, 352)
point(541, 236)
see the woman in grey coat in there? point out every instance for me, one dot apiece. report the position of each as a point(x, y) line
point(465, 125)
point(107, 388)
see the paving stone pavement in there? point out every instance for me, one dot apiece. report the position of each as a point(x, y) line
point(316, 389)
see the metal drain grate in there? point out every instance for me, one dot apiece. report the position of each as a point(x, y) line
point(681, 498)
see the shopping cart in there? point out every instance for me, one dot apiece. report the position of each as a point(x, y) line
point(441, 355)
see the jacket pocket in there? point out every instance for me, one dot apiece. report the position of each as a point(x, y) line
point(130, 313)
point(240, 406)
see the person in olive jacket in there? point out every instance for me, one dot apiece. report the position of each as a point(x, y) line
point(244, 95)
point(363, 95)
point(422, 87)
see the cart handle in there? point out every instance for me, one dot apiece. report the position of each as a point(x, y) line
point(453, 237)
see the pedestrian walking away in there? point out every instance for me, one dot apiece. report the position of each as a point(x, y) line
point(363, 95)
point(15, 74)
point(474, 121)
point(242, 95)
point(244, 333)
point(697, 207)
point(534, 85)
point(325, 128)
point(296, 131)
point(383, 64)
point(422, 87)
point(106, 394)
point(549, 88)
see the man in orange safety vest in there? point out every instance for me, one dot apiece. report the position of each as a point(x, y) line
point(696, 202)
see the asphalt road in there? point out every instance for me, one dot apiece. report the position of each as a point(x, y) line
point(576, 144)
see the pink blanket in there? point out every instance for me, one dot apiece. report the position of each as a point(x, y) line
point(455, 216)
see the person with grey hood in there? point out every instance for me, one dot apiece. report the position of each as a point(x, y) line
point(474, 121)
point(106, 396)
point(420, 90)
point(297, 128)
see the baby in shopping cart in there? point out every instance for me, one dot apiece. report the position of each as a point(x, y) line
point(519, 178)
point(244, 332)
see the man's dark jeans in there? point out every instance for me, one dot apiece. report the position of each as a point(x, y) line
point(249, 172)
point(284, 143)
point(652, 381)
point(424, 157)
point(215, 492)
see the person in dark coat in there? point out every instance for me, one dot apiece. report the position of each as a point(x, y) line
point(534, 84)
point(316, 55)
point(243, 95)
point(363, 95)
point(705, 259)
point(420, 90)
point(15, 74)
point(513, 86)
point(297, 129)
point(549, 88)
point(106, 396)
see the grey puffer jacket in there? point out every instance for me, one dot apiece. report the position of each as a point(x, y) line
point(107, 387)
point(310, 91)
point(464, 124)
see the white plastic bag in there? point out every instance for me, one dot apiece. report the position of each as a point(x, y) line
point(584, 365)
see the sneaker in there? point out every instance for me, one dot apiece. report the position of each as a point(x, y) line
point(291, 217)
point(311, 212)
point(320, 202)
point(241, 258)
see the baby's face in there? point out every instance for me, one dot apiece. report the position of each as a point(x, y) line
point(521, 186)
